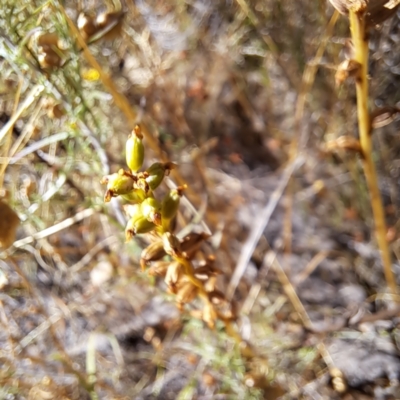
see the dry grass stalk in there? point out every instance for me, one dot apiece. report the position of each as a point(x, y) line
point(358, 25)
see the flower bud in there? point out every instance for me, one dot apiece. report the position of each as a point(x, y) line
point(137, 224)
point(135, 150)
point(170, 205)
point(151, 209)
point(136, 196)
point(117, 184)
point(156, 173)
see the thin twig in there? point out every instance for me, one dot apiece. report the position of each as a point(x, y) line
point(54, 229)
point(33, 94)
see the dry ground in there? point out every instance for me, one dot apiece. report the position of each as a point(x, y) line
point(228, 90)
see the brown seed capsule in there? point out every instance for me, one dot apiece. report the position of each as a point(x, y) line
point(55, 111)
point(210, 284)
point(185, 293)
point(209, 315)
point(173, 275)
point(48, 39)
point(346, 69)
point(109, 25)
point(345, 143)
point(153, 252)
point(383, 116)
point(86, 26)
point(376, 11)
point(203, 273)
point(158, 268)
point(49, 59)
point(223, 308)
point(171, 244)
point(191, 243)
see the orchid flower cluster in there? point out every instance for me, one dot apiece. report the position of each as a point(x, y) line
point(166, 256)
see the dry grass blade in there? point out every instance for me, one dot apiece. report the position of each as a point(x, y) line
point(260, 224)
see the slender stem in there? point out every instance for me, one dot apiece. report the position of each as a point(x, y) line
point(360, 41)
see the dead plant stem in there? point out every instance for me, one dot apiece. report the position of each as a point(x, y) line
point(360, 41)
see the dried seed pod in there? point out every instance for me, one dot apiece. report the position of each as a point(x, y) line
point(191, 243)
point(203, 273)
point(171, 244)
point(49, 59)
point(87, 26)
point(173, 275)
point(49, 50)
point(209, 315)
point(151, 209)
point(152, 252)
point(344, 142)
point(223, 308)
point(136, 196)
point(185, 294)
point(55, 111)
point(210, 284)
point(376, 11)
point(117, 184)
point(383, 116)
point(47, 39)
point(135, 150)
point(206, 271)
point(159, 268)
point(109, 25)
point(109, 18)
point(346, 69)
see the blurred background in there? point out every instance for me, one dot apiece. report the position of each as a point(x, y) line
point(241, 95)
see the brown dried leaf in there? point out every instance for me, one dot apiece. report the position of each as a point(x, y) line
point(9, 222)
